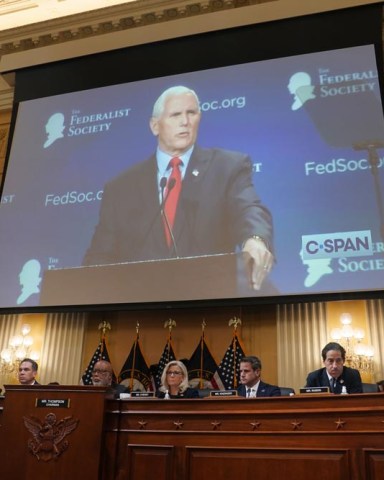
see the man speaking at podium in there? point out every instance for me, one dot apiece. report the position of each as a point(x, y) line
point(183, 201)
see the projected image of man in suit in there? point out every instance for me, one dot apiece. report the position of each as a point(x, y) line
point(216, 210)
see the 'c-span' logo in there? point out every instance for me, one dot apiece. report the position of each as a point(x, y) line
point(337, 245)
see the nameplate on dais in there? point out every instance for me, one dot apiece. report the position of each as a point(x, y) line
point(314, 390)
point(142, 394)
point(52, 402)
point(223, 393)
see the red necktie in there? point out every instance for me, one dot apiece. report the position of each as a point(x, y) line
point(172, 196)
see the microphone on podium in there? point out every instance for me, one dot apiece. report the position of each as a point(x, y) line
point(163, 184)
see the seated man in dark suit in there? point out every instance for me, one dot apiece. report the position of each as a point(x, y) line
point(251, 383)
point(27, 372)
point(334, 374)
point(102, 376)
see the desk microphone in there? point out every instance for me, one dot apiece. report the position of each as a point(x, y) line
point(171, 185)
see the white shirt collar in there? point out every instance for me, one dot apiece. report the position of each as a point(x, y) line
point(163, 160)
point(254, 387)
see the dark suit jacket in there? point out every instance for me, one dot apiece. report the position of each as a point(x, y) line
point(189, 393)
point(264, 390)
point(350, 378)
point(218, 209)
point(116, 389)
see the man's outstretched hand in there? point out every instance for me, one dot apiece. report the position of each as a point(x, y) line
point(260, 263)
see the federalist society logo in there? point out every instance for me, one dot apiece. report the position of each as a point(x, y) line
point(329, 85)
point(81, 124)
point(337, 245)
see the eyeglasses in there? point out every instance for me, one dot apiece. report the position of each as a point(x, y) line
point(100, 372)
point(172, 373)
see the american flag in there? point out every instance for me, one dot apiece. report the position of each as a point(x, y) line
point(229, 366)
point(167, 356)
point(101, 353)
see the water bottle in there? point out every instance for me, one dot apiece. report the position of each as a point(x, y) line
point(344, 390)
point(167, 397)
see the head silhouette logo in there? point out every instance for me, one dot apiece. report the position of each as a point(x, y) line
point(54, 128)
point(30, 279)
point(316, 269)
point(300, 86)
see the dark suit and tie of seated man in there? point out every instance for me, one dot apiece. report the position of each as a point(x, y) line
point(102, 376)
point(334, 374)
point(27, 372)
point(380, 386)
point(250, 378)
point(195, 200)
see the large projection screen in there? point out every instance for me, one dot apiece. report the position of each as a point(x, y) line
point(306, 113)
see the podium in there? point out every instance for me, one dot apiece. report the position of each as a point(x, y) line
point(52, 432)
point(191, 278)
